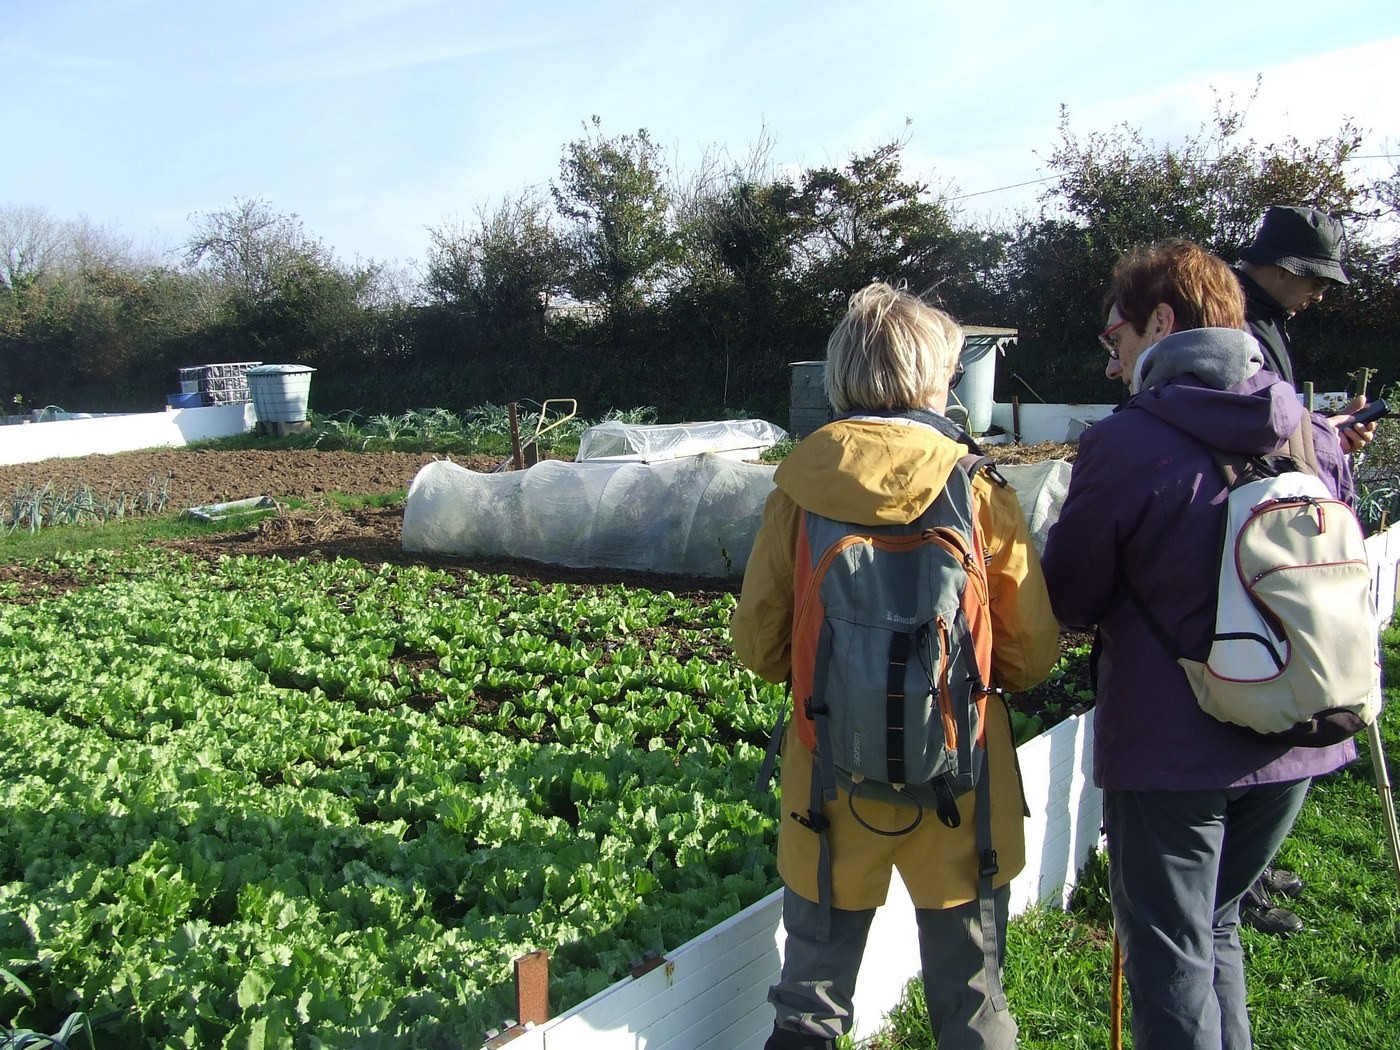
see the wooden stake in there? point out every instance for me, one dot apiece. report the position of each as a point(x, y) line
point(531, 999)
point(532, 987)
point(517, 456)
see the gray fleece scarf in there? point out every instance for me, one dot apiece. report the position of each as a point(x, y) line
point(1218, 357)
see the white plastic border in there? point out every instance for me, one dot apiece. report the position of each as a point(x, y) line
point(1383, 552)
point(66, 438)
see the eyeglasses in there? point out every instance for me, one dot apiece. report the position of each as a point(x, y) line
point(957, 376)
point(1111, 345)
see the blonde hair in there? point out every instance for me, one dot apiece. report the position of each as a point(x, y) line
point(890, 351)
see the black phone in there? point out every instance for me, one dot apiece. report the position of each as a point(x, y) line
point(1377, 409)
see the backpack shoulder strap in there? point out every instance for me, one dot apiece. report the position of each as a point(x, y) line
point(1301, 449)
point(974, 463)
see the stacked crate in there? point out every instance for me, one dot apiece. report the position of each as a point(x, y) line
point(221, 384)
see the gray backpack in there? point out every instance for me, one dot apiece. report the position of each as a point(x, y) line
point(891, 665)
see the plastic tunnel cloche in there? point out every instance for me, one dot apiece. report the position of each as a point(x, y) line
point(731, 438)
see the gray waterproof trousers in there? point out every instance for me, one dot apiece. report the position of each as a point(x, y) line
point(813, 995)
point(1178, 864)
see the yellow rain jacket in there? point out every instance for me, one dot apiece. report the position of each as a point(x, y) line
point(883, 472)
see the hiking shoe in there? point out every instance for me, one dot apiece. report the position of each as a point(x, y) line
point(782, 1039)
point(1284, 883)
point(1277, 922)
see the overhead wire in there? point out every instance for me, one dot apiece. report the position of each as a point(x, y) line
point(1052, 178)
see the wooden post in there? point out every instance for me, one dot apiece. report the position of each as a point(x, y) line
point(532, 987)
point(517, 456)
point(531, 999)
point(1365, 380)
point(1308, 397)
point(1015, 419)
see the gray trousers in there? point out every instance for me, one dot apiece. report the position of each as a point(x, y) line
point(813, 995)
point(1178, 863)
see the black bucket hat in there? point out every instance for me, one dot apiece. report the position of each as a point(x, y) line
point(1304, 241)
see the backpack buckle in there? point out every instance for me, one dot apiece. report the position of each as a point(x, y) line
point(813, 821)
point(945, 805)
point(988, 867)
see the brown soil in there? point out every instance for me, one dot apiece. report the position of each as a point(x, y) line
point(200, 477)
point(197, 477)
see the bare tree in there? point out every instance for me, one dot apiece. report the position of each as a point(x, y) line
point(88, 246)
point(250, 246)
point(31, 245)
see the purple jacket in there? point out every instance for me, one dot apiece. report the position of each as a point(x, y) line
point(1146, 501)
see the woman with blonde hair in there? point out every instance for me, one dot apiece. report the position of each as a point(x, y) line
point(885, 461)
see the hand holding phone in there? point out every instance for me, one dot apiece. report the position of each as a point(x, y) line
point(1377, 409)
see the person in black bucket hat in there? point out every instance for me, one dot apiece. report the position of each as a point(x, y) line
point(1306, 242)
point(1292, 260)
point(1294, 257)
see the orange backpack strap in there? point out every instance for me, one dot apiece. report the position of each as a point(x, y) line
point(806, 610)
point(976, 608)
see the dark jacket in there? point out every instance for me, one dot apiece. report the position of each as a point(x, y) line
point(1268, 321)
point(1147, 501)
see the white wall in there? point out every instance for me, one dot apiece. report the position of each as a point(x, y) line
point(1039, 422)
point(63, 439)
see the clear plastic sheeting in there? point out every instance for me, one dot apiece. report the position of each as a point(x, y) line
point(731, 438)
point(1041, 489)
point(694, 516)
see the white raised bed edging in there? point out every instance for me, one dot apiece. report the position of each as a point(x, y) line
point(66, 438)
point(1383, 552)
point(712, 992)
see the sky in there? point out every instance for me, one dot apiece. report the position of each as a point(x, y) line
point(376, 121)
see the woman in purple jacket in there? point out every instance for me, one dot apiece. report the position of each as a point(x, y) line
point(1193, 808)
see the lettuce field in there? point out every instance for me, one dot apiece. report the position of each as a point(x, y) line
point(260, 802)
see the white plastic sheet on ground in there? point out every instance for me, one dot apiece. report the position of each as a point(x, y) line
point(695, 516)
point(732, 438)
point(1041, 489)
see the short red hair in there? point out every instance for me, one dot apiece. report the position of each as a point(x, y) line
point(1201, 290)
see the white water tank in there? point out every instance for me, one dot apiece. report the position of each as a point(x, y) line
point(280, 392)
point(979, 361)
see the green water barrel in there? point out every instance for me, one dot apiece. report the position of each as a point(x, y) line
point(809, 408)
